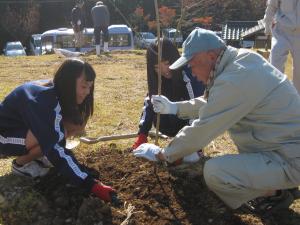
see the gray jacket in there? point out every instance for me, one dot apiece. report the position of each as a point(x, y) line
point(100, 15)
point(251, 99)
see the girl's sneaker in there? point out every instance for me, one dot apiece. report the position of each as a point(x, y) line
point(44, 162)
point(31, 169)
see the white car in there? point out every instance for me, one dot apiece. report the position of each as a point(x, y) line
point(173, 35)
point(14, 49)
point(144, 39)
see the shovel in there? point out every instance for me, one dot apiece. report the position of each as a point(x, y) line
point(91, 140)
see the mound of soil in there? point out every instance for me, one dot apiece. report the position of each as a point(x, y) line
point(148, 193)
point(152, 193)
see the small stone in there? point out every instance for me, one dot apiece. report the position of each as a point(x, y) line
point(69, 220)
point(58, 221)
point(210, 220)
point(100, 223)
point(62, 202)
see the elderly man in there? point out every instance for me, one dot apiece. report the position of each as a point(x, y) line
point(258, 106)
point(281, 20)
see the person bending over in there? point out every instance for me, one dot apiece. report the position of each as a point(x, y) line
point(36, 118)
point(258, 106)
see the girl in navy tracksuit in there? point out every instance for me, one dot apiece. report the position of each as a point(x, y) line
point(34, 122)
point(177, 85)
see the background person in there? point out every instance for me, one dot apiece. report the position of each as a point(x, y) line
point(101, 17)
point(78, 24)
point(281, 21)
point(34, 118)
point(258, 106)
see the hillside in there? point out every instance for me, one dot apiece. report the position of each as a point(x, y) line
point(221, 11)
point(20, 19)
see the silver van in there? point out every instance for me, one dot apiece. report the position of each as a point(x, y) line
point(35, 44)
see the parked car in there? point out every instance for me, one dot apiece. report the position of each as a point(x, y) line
point(247, 44)
point(171, 34)
point(35, 44)
point(144, 39)
point(14, 49)
point(120, 37)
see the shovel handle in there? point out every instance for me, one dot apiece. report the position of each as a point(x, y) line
point(90, 140)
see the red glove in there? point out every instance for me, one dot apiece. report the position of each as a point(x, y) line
point(141, 139)
point(103, 192)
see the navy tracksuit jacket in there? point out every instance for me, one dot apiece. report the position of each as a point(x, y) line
point(36, 108)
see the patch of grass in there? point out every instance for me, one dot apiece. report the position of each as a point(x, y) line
point(288, 67)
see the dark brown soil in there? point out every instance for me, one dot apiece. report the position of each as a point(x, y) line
point(156, 194)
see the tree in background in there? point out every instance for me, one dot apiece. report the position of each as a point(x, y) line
point(138, 20)
point(221, 11)
point(204, 22)
point(184, 6)
point(144, 22)
point(152, 25)
point(166, 16)
point(20, 21)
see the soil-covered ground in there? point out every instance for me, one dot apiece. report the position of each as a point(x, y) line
point(148, 193)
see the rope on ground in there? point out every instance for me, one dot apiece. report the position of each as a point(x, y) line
point(129, 209)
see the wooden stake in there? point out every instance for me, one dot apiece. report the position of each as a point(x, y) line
point(159, 68)
point(178, 28)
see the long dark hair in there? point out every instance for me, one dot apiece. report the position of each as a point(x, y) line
point(65, 85)
point(173, 88)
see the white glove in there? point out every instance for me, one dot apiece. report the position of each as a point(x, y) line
point(78, 22)
point(163, 105)
point(147, 151)
point(192, 158)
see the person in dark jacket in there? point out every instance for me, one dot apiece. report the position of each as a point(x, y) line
point(35, 119)
point(101, 17)
point(78, 24)
point(178, 85)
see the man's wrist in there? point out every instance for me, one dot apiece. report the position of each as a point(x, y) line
point(174, 108)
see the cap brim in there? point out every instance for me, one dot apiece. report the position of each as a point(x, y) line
point(179, 63)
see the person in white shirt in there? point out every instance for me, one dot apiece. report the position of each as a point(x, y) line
point(282, 21)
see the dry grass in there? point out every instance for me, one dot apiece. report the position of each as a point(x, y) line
point(119, 93)
point(288, 68)
point(120, 90)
